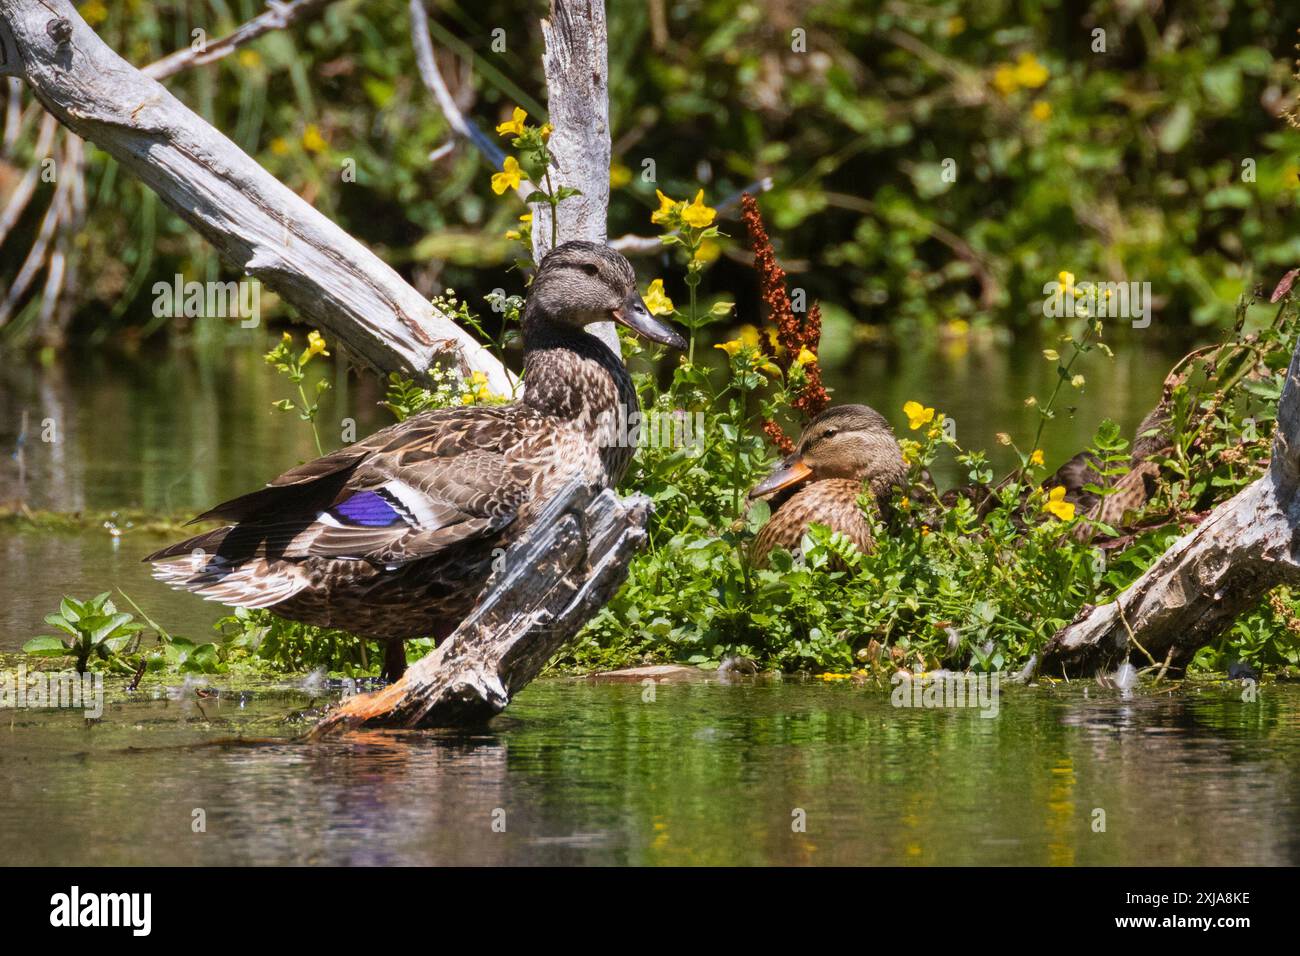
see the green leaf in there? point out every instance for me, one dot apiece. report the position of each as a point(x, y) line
point(45, 646)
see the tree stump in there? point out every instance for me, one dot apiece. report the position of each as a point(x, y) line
point(563, 570)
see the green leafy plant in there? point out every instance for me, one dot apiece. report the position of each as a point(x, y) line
point(93, 628)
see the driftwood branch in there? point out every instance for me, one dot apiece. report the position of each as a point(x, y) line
point(255, 222)
point(461, 125)
point(551, 582)
point(1243, 549)
point(278, 16)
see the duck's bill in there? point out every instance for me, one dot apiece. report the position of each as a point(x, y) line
point(634, 314)
point(789, 473)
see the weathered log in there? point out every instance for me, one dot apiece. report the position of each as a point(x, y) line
point(576, 62)
point(1244, 548)
point(256, 223)
point(550, 582)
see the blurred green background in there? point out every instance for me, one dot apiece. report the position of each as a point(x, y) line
point(1166, 158)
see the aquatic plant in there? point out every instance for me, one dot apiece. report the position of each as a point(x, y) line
point(93, 628)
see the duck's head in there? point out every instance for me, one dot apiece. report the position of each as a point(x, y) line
point(579, 283)
point(846, 441)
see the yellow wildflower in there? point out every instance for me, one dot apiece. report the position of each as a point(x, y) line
point(917, 414)
point(1051, 355)
point(1041, 111)
point(279, 146)
point(1029, 72)
point(249, 58)
point(546, 130)
point(619, 176)
point(665, 209)
point(749, 336)
point(697, 214)
point(708, 251)
point(1078, 381)
point(1036, 457)
point(508, 178)
point(1004, 79)
point(1057, 505)
point(732, 347)
point(515, 126)
point(312, 140)
point(805, 357)
point(656, 300)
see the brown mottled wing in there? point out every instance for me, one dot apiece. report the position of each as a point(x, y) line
point(407, 492)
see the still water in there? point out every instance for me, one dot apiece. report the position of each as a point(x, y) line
point(579, 772)
point(582, 772)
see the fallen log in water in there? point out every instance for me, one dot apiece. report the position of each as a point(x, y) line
point(1243, 549)
point(549, 584)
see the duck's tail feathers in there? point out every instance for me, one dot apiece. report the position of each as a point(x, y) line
point(195, 566)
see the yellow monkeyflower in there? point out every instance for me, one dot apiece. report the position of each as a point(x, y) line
point(805, 357)
point(508, 178)
point(1041, 111)
point(279, 146)
point(708, 251)
point(732, 347)
point(1036, 457)
point(1057, 505)
point(1004, 79)
point(1066, 279)
point(1029, 72)
point(917, 414)
point(312, 140)
point(666, 207)
point(546, 131)
point(697, 214)
point(1078, 381)
point(656, 300)
point(515, 126)
point(315, 346)
point(749, 337)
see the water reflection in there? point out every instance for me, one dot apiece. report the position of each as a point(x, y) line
point(707, 774)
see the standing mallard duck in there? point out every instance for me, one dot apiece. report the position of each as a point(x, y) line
point(393, 537)
point(840, 450)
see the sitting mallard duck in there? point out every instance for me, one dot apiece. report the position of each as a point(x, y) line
point(839, 451)
point(393, 537)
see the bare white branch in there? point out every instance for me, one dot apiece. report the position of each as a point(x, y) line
point(255, 222)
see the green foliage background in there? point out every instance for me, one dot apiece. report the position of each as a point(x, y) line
point(1122, 164)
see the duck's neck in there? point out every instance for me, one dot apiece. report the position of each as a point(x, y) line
point(572, 375)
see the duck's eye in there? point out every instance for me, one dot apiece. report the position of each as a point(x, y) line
point(829, 433)
point(590, 269)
